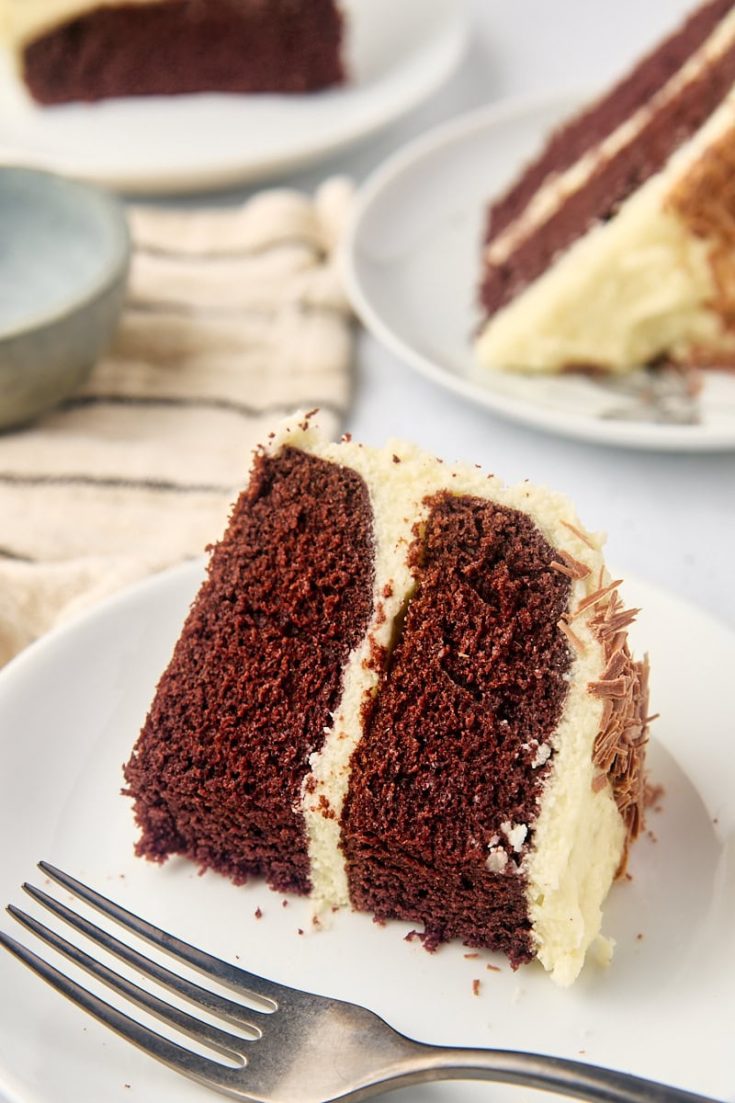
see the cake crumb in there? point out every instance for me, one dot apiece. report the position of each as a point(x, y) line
point(284, 903)
point(493, 968)
point(396, 459)
point(412, 936)
point(346, 438)
point(258, 913)
point(470, 956)
point(316, 921)
point(475, 987)
point(639, 936)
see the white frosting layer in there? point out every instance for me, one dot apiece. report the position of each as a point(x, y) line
point(578, 837)
point(22, 21)
point(552, 195)
point(626, 292)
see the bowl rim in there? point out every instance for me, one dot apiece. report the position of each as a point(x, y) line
point(117, 264)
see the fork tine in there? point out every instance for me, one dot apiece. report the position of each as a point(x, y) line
point(202, 1069)
point(188, 990)
point(257, 988)
point(228, 1044)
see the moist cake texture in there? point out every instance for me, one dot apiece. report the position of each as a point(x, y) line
point(289, 595)
point(601, 255)
point(474, 686)
point(404, 688)
point(93, 49)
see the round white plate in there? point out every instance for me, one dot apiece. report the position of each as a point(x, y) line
point(70, 710)
point(412, 258)
point(397, 55)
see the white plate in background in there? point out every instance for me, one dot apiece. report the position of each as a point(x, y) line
point(70, 711)
point(413, 265)
point(397, 54)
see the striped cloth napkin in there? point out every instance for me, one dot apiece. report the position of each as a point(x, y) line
point(235, 316)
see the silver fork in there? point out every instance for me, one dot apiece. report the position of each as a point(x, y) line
point(298, 1048)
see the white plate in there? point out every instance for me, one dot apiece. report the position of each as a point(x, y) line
point(397, 54)
point(70, 709)
point(412, 258)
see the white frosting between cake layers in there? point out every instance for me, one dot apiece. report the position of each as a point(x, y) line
point(624, 293)
point(22, 21)
point(578, 837)
point(552, 194)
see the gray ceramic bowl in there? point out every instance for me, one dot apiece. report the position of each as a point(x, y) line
point(64, 258)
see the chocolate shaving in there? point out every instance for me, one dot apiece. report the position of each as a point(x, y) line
point(594, 598)
point(570, 566)
point(612, 687)
point(572, 636)
point(583, 536)
point(619, 748)
point(706, 201)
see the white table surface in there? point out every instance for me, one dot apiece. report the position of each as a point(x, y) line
point(670, 519)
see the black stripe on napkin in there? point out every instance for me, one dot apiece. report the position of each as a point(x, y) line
point(200, 403)
point(108, 482)
point(8, 553)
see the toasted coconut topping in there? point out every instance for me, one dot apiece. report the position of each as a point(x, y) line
point(619, 748)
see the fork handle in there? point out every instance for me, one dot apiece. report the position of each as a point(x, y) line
point(551, 1074)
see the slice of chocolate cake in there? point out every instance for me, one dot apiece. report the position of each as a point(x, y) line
point(94, 49)
point(616, 247)
point(404, 688)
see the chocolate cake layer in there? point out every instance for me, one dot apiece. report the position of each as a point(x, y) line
point(217, 770)
point(614, 180)
point(583, 133)
point(185, 46)
point(446, 776)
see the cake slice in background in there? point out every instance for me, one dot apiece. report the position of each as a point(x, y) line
point(616, 246)
point(94, 49)
point(404, 688)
